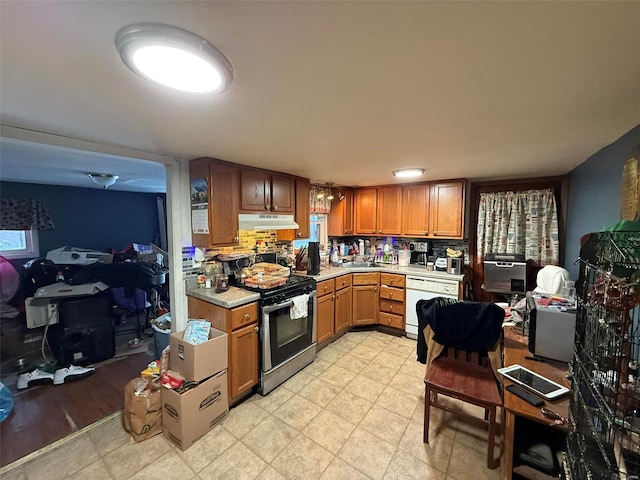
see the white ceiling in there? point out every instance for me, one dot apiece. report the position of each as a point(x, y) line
point(334, 91)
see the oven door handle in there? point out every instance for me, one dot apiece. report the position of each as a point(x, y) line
point(273, 308)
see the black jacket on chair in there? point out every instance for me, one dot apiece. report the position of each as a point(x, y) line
point(474, 326)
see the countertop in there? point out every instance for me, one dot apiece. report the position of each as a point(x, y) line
point(332, 272)
point(235, 297)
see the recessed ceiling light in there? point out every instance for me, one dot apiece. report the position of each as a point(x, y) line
point(174, 57)
point(408, 172)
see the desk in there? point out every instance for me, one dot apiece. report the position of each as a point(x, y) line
point(515, 351)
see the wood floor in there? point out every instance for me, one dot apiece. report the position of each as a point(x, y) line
point(43, 414)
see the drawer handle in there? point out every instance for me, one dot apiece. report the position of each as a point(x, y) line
point(325, 289)
point(390, 307)
point(390, 294)
point(256, 329)
point(246, 316)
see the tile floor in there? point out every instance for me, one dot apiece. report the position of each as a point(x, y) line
point(355, 413)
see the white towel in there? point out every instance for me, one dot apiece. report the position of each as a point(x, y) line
point(300, 307)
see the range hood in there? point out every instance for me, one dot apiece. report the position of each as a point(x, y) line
point(267, 222)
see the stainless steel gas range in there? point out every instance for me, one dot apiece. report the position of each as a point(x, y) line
point(287, 330)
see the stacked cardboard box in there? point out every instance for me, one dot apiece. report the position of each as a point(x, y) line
point(188, 416)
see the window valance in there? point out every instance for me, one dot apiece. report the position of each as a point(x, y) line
point(24, 214)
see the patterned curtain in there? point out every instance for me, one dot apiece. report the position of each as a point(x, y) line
point(321, 204)
point(24, 214)
point(519, 222)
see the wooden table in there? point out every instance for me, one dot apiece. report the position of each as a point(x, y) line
point(515, 351)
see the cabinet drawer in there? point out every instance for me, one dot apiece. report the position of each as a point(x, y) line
point(343, 281)
point(390, 306)
point(325, 287)
point(244, 315)
point(391, 320)
point(365, 278)
point(390, 293)
point(392, 279)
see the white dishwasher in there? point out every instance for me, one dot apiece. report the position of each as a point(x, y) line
point(422, 288)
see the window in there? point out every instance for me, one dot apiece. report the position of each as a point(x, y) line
point(318, 232)
point(19, 243)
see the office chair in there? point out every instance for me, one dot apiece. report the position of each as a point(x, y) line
point(462, 356)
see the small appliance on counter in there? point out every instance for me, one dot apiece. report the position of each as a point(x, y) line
point(454, 265)
point(313, 264)
point(441, 264)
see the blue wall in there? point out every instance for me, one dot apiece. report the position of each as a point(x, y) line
point(595, 194)
point(91, 218)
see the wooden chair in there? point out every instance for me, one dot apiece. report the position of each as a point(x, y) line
point(466, 376)
point(457, 338)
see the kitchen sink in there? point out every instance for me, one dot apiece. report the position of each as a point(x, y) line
point(358, 265)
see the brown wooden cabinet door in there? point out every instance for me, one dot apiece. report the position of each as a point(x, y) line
point(223, 209)
point(447, 209)
point(243, 349)
point(389, 210)
point(415, 209)
point(255, 190)
point(365, 305)
point(342, 310)
point(283, 193)
point(325, 316)
point(341, 216)
point(366, 211)
point(348, 211)
point(302, 208)
point(220, 200)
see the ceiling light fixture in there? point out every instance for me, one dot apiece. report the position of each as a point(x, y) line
point(103, 179)
point(408, 172)
point(174, 57)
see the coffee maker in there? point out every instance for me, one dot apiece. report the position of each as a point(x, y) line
point(313, 264)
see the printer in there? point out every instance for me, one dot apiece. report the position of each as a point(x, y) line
point(77, 256)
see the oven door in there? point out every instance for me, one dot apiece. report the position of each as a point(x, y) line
point(284, 337)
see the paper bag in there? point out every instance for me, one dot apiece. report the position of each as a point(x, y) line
point(142, 416)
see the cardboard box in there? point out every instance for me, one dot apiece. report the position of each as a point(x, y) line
point(188, 417)
point(197, 362)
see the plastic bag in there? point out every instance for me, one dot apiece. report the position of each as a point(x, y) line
point(6, 402)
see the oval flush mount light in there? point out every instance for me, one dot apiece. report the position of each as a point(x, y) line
point(174, 57)
point(408, 172)
point(103, 179)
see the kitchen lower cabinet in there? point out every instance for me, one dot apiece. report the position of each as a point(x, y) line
point(392, 300)
point(343, 312)
point(241, 325)
point(325, 310)
point(215, 198)
point(243, 359)
point(365, 298)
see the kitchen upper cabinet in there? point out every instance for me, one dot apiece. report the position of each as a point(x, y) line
point(302, 186)
point(366, 213)
point(446, 213)
point(377, 211)
point(415, 214)
point(302, 208)
point(341, 216)
point(389, 208)
point(263, 191)
point(215, 220)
